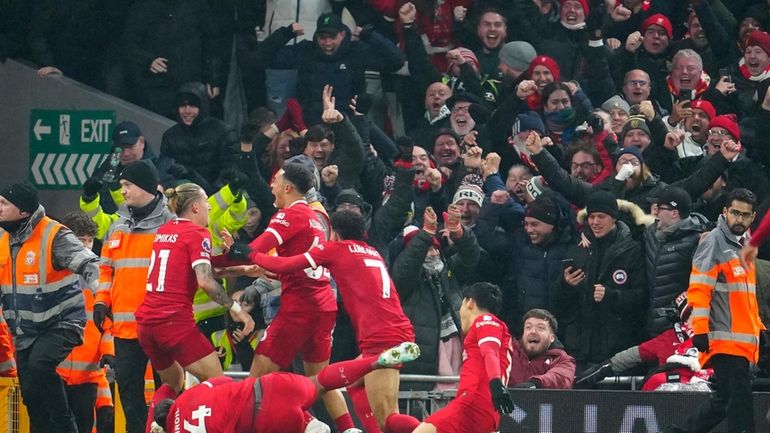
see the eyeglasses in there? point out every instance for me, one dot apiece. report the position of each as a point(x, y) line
point(738, 214)
point(718, 133)
point(583, 165)
point(637, 83)
point(664, 208)
point(632, 161)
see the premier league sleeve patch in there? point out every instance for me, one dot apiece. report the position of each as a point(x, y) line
point(619, 277)
point(206, 247)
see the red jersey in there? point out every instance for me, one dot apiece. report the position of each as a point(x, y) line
point(178, 247)
point(474, 380)
point(218, 405)
point(369, 295)
point(292, 231)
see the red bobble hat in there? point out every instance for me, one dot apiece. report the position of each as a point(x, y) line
point(546, 61)
point(658, 20)
point(759, 39)
point(583, 3)
point(729, 122)
point(705, 106)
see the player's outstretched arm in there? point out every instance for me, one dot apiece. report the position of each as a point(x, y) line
point(283, 264)
point(217, 293)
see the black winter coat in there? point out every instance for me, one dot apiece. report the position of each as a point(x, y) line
point(207, 147)
point(594, 331)
point(427, 299)
point(344, 70)
point(182, 32)
point(668, 262)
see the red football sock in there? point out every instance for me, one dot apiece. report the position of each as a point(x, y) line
point(344, 422)
point(341, 374)
point(399, 423)
point(363, 410)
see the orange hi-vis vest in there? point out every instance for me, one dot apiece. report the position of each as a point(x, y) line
point(7, 361)
point(123, 267)
point(34, 292)
point(82, 364)
point(723, 296)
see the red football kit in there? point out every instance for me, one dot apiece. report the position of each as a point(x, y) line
point(222, 405)
point(166, 326)
point(487, 353)
point(306, 318)
point(369, 295)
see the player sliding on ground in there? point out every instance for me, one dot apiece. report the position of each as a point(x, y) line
point(273, 403)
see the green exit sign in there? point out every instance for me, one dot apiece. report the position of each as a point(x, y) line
point(67, 145)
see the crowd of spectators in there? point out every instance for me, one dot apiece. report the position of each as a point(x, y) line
point(572, 151)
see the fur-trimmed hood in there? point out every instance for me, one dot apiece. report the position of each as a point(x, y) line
point(634, 212)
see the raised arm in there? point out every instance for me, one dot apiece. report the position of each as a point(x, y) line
point(206, 281)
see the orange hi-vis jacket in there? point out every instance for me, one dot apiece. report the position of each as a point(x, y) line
point(103, 393)
point(82, 364)
point(7, 361)
point(723, 297)
point(123, 267)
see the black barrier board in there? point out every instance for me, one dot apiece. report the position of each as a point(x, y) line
point(578, 411)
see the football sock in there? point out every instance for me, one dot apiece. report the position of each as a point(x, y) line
point(363, 410)
point(341, 374)
point(399, 423)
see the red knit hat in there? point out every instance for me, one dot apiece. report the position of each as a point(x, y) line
point(658, 20)
point(583, 3)
point(411, 231)
point(546, 61)
point(705, 106)
point(759, 39)
point(728, 122)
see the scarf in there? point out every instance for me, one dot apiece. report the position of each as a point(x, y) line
point(559, 121)
point(573, 26)
point(747, 75)
point(700, 88)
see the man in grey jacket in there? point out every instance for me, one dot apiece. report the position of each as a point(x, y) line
point(42, 300)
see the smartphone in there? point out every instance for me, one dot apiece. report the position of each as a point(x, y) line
point(684, 95)
point(567, 262)
point(725, 72)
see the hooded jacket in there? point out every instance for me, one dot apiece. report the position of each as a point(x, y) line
point(552, 369)
point(593, 331)
point(206, 148)
point(344, 70)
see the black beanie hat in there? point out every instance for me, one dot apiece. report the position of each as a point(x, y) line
point(141, 174)
point(545, 210)
point(23, 195)
point(603, 201)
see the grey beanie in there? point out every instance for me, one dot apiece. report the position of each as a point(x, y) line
point(616, 102)
point(517, 55)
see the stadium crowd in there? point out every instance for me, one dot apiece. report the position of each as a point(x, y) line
point(601, 162)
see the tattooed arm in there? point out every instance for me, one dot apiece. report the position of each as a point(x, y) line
point(217, 293)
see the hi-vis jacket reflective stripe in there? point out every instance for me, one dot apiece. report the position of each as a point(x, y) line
point(103, 393)
point(35, 294)
point(722, 294)
point(123, 267)
point(82, 364)
point(7, 361)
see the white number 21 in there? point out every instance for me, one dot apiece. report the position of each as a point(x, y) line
point(370, 263)
point(163, 255)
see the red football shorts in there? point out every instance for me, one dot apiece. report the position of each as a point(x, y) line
point(174, 341)
point(462, 415)
point(285, 397)
point(288, 334)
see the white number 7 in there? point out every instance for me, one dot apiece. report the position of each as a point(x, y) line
point(370, 263)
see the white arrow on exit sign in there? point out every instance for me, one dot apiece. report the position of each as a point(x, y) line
point(64, 169)
point(40, 129)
